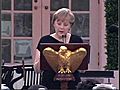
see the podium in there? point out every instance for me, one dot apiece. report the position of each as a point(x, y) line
point(65, 78)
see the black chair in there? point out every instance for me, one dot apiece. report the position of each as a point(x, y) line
point(8, 73)
point(26, 72)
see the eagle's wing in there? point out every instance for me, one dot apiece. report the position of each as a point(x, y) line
point(76, 58)
point(52, 57)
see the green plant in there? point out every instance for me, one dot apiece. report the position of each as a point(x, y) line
point(111, 34)
point(111, 9)
point(112, 48)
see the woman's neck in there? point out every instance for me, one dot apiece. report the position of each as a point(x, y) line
point(64, 39)
point(57, 36)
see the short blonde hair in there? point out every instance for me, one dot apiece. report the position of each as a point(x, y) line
point(63, 13)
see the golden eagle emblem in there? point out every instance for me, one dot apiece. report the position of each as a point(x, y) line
point(64, 61)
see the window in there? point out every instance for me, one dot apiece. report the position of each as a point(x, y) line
point(16, 30)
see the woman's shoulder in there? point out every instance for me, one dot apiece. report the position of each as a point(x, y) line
point(74, 35)
point(46, 37)
point(75, 38)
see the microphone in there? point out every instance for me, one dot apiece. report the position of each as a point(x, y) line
point(64, 38)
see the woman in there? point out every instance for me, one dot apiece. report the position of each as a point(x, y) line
point(62, 21)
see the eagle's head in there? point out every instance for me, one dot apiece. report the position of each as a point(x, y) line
point(63, 49)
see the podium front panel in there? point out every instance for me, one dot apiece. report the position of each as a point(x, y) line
point(72, 47)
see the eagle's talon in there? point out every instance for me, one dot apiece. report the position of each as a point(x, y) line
point(61, 71)
point(68, 70)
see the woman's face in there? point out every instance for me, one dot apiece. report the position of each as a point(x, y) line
point(62, 27)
